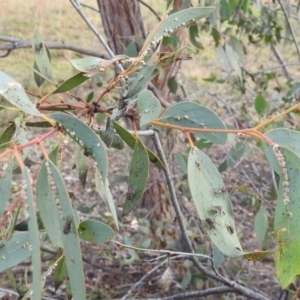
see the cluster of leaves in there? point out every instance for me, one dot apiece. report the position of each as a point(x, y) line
point(61, 224)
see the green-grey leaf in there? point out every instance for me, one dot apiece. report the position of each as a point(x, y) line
point(234, 60)
point(283, 137)
point(260, 104)
point(189, 114)
point(148, 107)
point(33, 237)
point(39, 80)
point(95, 232)
point(180, 19)
point(116, 143)
point(261, 224)
point(5, 184)
point(70, 238)
point(85, 137)
point(102, 188)
point(94, 65)
point(14, 93)
point(59, 273)
point(141, 80)
point(71, 83)
point(7, 135)
point(21, 135)
point(129, 139)
point(81, 162)
point(138, 176)
point(286, 222)
point(15, 250)
point(46, 202)
point(212, 203)
point(41, 56)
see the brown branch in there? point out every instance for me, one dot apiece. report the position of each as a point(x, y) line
point(15, 43)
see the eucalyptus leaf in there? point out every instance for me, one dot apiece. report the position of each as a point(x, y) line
point(212, 203)
point(192, 115)
point(14, 93)
point(138, 176)
point(129, 139)
point(41, 56)
point(148, 107)
point(86, 138)
point(71, 83)
point(95, 232)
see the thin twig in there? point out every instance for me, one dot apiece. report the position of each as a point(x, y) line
point(202, 293)
point(279, 57)
point(142, 279)
point(234, 285)
point(161, 251)
point(151, 9)
point(290, 27)
point(14, 43)
point(90, 7)
point(76, 5)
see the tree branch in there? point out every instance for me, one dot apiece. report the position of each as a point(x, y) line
point(290, 27)
point(14, 43)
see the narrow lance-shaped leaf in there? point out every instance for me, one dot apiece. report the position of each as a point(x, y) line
point(286, 222)
point(212, 203)
point(81, 162)
point(33, 237)
point(138, 176)
point(46, 201)
point(70, 238)
point(71, 83)
point(39, 80)
point(14, 93)
point(86, 138)
point(7, 135)
point(261, 224)
point(94, 65)
point(102, 187)
point(129, 139)
point(180, 19)
point(5, 185)
point(41, 56)
point(193, 115)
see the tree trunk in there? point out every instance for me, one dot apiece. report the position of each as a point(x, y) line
point(123, 25)
point(122, 22)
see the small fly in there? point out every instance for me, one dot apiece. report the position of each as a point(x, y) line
point(67, 226)
point(2, 246)
point(210, 223)
point(39, 47)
